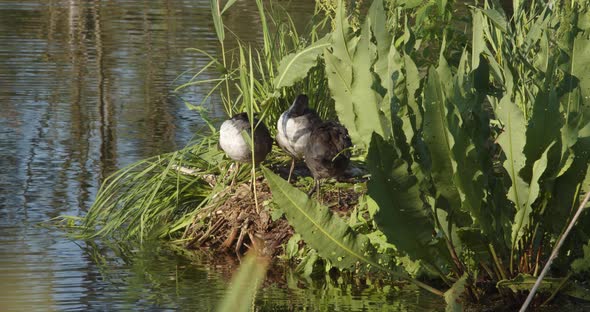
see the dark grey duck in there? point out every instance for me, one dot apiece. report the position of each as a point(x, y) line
point(294, 128)
point(328, 152)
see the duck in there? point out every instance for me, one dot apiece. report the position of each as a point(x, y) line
point(327, 153)
point(234, 144)
point(294, 128)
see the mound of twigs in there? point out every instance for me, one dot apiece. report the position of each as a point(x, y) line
point(234, 224)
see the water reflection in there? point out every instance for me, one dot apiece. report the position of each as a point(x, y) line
point(85, 89)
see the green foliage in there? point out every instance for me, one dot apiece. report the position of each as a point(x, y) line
point(477, 163)
point(478, 147)
point(325, 232)
point(296, 65)
point(155, 197)
point(402, 214)
point(348, 68)
point(453, 295)
point(582, 264)
point(242, 290)
point(320, 228)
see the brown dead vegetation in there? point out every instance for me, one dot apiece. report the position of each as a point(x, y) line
point(234, 225)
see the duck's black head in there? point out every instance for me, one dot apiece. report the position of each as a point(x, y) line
point(299, 105)
point(241, 116)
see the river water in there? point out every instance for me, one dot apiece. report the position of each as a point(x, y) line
point(86, 88)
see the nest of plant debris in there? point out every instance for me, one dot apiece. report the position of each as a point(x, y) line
point(236, 225)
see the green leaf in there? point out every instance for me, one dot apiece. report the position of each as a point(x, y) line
point(469, 129)
point(245, 283)
point(369, 117)
point(524, 282)
point(512, 141)
point(351, 79)
point(319, 227)
point(383, 38)
point(522, 218)
point(543, 128)
point(217, 20)
point(582, 264)
point(343, 36)
point(227, 5)
point(439, 140)
point(580, 62)
point(402, 216)
point(295, 66)
point(453, 295)
point(478, 41)
point(497, 18)
point(340, 83)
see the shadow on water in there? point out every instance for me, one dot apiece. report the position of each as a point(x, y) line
point(85, 89)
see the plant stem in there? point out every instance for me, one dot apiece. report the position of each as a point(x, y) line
point(554, 253)
point(497, 261)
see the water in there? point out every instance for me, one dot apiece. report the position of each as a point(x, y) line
point(85, 88)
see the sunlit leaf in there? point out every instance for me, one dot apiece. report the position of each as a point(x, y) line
point(512, 141)
point(217, 20)
point(319, 227)
point(227, 5)
point(477, 38)
point(295, 66)
point(438, 138)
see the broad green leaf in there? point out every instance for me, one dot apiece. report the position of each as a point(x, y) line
point(512, 141)
point(453, 295)
point(244, 284)
point(401, 88)
point(378, 20)
point(522, 218)
point(543, 128)
point(340, 83)
point(343, 37)
point(469, 134)
point(478, 41)
point(412, 85)
point(402, 216)
point(350, 81)
point(369, 117)
point(295, 66)
point(582, 264)
point(497, 18)
point(319, 227)
point(439, 140)
point(325, 232)
point(565, 188)
point(536, 31)
point(580, 62)
point(516, 7)
point(524, 282)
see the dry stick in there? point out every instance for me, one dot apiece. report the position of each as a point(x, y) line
point(554, 253)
